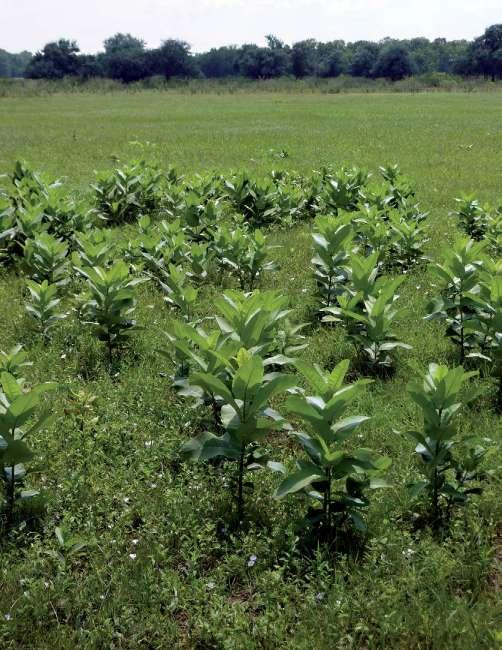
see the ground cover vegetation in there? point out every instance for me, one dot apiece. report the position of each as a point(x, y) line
point(126, 58)
point(240, 406)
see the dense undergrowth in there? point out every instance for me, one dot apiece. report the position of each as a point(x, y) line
point(343, 84)
point(130, 298)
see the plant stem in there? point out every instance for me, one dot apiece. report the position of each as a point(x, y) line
point(11, 497)
point(240, 491)
point(435, 505)
point(328, 491)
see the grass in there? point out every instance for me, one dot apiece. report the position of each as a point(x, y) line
point(156, 570)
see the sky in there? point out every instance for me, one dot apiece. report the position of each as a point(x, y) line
point(29, 24)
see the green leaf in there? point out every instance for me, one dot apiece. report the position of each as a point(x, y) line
point(207, 446)
point(15, 453)
point(297, 481)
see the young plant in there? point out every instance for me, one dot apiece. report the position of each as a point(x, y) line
point(332, 244)
point(407, 242)
point(335, 478)
point(93, 248)
point(192, 349)
point(371, 330)
point(253, 319)
point(44, 306)
point(13, 361)
point(110, 307)
point(128, 191)
point(246, 417)
point(341, 190)
point(472, 217)
point(485, 326)
point(446, 477)
point(178, 292)
point(459, 275)
point(17, 408)
point(45, 258)
point(244, 254)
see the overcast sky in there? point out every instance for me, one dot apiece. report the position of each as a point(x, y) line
point(29, 24)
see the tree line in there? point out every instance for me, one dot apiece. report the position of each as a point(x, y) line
point(126, 58)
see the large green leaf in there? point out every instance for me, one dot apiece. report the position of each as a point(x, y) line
point(208, 445)
point(298, 481)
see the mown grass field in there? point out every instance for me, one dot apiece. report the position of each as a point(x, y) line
point(124, 492)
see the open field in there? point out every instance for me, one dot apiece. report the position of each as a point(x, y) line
point(155, 570)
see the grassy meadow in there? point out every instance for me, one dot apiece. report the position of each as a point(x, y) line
point(154, 570)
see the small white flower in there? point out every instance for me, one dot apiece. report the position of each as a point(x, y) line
point(8, 617)
point(211, 585)
point(132, 556)
point(63, 356)
point(148, 444)
point(126, 499)
point(408, 552)
point(134, 541)
point(102, 596)
point(252, 560)
point(320, 596)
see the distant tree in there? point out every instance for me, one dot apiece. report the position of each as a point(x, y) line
point(219, 62)
point(172, 59)
point(393, 62)
point(451, 56)
point(90, 65)
point(125, 58)
point(304, 58)
point(332, 60)
point(423, 55)
point(120, 42)
point(127, 65)
point(264, 62)
point(14, 65)
point(56, 60)
point(363, 58)
point(486, 52)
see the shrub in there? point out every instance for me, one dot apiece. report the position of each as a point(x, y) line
point(335, 478)
point(446, 476)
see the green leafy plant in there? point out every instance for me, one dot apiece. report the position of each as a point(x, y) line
point(252, 319)
point(459, 274)
point(472, 217)
point(341, 189)
point(14, 361)
point(446, 477)
point(407, 243)
point(332, 245)
point(111, 304)
point(193, 349)
point(334, 477)
point(246, 417)
point(126, 192)
point(17, 408)
point(93, 248)
point(178, 291)
point(371, 328)
point(45, 258)
point(485, 326)
point(244, 254)
point(44, 306)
